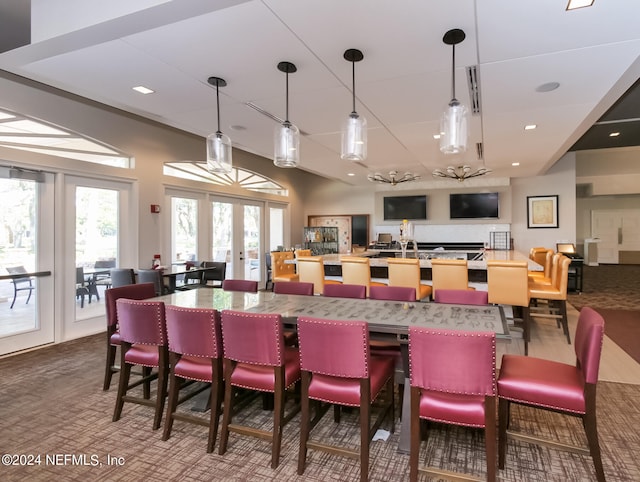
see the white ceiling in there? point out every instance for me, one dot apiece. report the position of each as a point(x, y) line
point(101, 50)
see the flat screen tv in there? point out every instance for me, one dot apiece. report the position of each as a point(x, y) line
point(473, 205)
point(405, 207)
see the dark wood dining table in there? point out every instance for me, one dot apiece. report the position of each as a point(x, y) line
point(173, 272)
point(388, 320)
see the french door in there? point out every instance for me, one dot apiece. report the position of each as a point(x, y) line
point(618, 230)
point(27, 315)
point(237, 236)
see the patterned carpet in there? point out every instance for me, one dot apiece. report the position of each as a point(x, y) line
point(51, 402)
point(609, 286)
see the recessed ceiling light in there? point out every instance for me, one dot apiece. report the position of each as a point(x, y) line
point(515, 164)
point(573, 4)
point(548, 87)
point(350, 174)
point(436, 136)
point(614, 134)
point(143, 90)
point(530, 127)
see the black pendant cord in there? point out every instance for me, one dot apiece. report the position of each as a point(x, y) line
point(353, 83)
point(286, 117)
point(453, 74)
point(218, 105)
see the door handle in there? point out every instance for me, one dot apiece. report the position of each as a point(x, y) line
point(619, 235)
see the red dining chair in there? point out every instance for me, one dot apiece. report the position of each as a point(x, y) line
point(143, 341)
point(462, 297)
point(244, 285)
point(392, 293)
point(337, 368)
point(195, 353)
point(457, 393)
point(345, 291)
point(256, 359)
point(555, 386)
point(293, 288)
point(140, 291)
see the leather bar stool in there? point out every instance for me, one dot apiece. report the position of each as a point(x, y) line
point(406, 272)
point(283, 271)
point(356, 270)
point(449, 274)
point(311, 270)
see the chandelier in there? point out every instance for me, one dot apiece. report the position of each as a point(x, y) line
point(460, 173)
point(393, 177)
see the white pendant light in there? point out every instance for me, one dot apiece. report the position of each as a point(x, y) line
point(453, 126)
point(218, 144)
point(354, 129)
point(286, 139)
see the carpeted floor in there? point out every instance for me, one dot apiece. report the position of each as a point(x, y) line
point(51, 402)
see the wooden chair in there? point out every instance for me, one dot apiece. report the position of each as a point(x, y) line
point(555, 296)
point(245, 285)
point(143, 341)
point(462, 297)
point(337, 368)
point(122, 277)
point(311, 270)
point(356, 270)
point(558, 387)
point(508, 284)
point(139, 291)
point(283, 271)
point(449, 274)
point(406, 272)
point(345, 291)
point(195, 353)
point(293, 288)
point(460, 393)
point(256, 359)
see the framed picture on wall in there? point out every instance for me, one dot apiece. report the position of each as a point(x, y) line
point(542, 211)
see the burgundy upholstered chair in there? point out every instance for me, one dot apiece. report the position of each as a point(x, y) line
point(345, 291)
point(256, 359)
point(453, 381)
point(293, 288)
point(195, 353)
point(338, 368)
point(462, 297)
point(558, 387)
point(245, 285)
point(140, 291)
point(143, 341)
point(392, 293)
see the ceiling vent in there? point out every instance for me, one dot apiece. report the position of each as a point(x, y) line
point(269, 115)
point(584, 190)
point(474, 88)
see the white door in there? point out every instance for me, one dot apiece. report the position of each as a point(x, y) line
point(618, 230)
point(99, 230)
point(27, 216)
point(237, 236)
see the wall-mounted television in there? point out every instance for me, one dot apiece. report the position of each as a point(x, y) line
point(405, 207)
point(473, 205)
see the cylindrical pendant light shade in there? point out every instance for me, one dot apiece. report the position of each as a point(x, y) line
point(286, 143)
point(354, 138)
point(219, 153)
point(453, 129)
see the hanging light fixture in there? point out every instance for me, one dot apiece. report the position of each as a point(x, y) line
point(354, 129)
point(286, 136)
point(453, 126)
point(218, 144)
point(393, 178)
point(460, 173)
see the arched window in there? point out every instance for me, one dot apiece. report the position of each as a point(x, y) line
point(249, 180)
point(18, 131)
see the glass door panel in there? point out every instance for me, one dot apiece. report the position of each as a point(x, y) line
point(96, 247)
point(222, 234)
point(184, 229)
point(26, 304)
point(251, 248)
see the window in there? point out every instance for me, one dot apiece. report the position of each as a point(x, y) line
point(21, 132)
